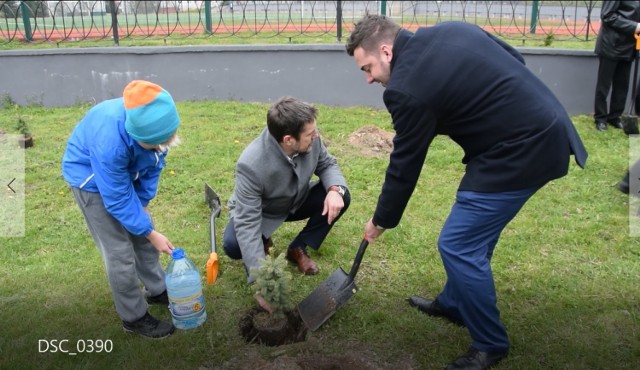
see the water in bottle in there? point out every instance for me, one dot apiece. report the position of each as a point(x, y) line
point(184, 288)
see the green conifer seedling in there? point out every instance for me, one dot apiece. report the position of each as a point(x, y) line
point(23, 127)
point(273, 282)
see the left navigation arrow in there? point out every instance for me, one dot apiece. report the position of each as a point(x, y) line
point(9, 185)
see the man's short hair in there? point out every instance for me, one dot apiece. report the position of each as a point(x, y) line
point(288, 116)
point(371, 31)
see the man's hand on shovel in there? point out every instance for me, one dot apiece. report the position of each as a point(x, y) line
point(371, 231)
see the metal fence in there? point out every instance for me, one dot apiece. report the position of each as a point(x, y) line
point(321, 21)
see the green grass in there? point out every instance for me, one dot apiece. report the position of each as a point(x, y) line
point(250, 24)
point(244, 38)
point(567, 272)
point(225, 35)
point(170, 32)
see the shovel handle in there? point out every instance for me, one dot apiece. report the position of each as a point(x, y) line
point(212, 233)
point(356, 261)
point(210, 278)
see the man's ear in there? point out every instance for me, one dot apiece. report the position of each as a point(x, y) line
point(386, 51)
point(287, 139)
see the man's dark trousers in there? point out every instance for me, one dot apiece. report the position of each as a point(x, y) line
point(466, 246)
point(613, 76)
point(313, 233)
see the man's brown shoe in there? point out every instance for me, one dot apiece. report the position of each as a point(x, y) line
point(305, 264)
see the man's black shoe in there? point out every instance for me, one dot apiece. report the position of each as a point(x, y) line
point(476, 360)
point(161, 299)
point(617, 123)
point(149, 327)
point(432, 308)
point(601, 126)
point(623, 185)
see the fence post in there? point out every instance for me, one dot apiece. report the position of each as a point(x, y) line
point(26, 11)
point(534, 16)
point(589, 18)
point(207, 17)
point(339, 20)
point(383, 7)
point(114, 21)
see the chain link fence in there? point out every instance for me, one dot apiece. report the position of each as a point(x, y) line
point(318, 21)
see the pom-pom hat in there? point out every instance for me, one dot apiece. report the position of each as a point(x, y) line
point(151, 113)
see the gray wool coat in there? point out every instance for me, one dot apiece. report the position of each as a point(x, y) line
point(269, 186)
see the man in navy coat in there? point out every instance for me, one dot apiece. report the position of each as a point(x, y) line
point(457, 80)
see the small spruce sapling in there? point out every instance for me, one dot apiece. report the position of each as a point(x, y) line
point(273, 282)
point(25, 140)
point(23, 128)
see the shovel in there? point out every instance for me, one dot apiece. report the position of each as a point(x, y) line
point(325, 300)
point(213, 200)
point(630, 121)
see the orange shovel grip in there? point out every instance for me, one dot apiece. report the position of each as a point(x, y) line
point(212, 268)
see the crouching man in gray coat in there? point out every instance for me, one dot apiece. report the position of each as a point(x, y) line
point(273, 185)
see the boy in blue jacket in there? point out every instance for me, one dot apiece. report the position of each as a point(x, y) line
point(112, 162)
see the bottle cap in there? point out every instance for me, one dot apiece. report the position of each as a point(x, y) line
point(177, 254)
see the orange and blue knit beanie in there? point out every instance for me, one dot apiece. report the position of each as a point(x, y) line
point(151, 113)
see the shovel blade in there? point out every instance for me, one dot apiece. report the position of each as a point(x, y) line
point(325, 300)
point(212, 199)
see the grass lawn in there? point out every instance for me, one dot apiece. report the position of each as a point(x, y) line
point(266, 38)
point(567, 272)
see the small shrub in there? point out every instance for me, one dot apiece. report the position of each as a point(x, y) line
point(7, 102)
point(273, 282)
point(549, 39)
point(23, 127)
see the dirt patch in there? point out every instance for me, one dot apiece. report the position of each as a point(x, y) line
point(372, 141)
point(292, 329)
point(310, 355)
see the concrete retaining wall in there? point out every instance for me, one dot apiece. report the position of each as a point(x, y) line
point(252, 73)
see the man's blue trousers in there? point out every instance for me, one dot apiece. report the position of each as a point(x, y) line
point(466, 246)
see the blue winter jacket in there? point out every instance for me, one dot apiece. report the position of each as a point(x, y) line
point(102, 158)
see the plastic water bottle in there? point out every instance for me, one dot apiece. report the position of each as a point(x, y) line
point(184, 288)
